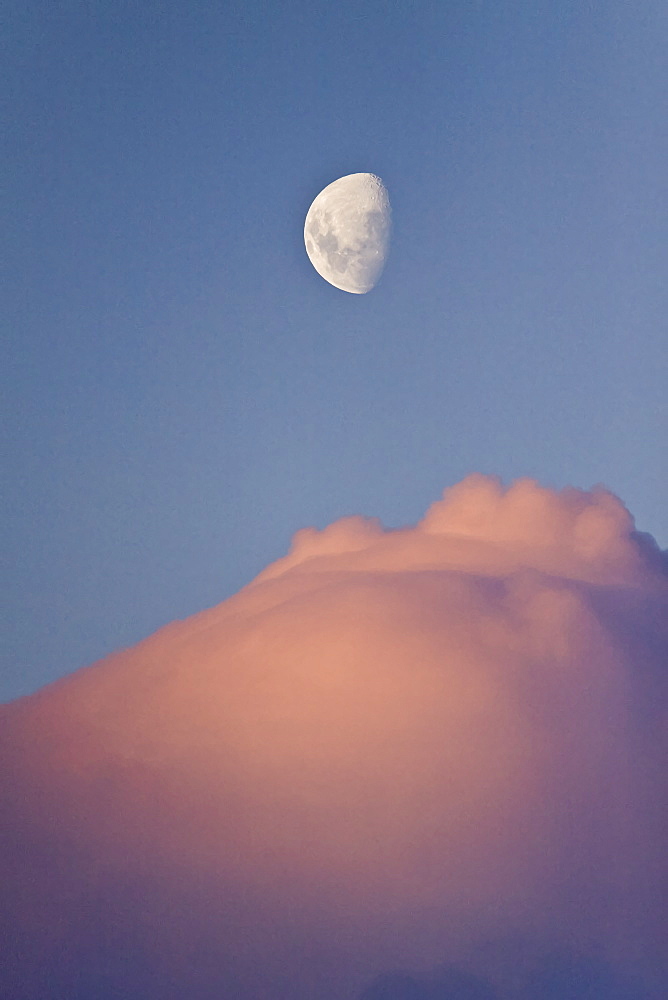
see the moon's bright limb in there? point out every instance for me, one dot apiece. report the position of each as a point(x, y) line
point(347, 232)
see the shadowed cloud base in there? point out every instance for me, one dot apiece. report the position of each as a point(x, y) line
point(399, 765)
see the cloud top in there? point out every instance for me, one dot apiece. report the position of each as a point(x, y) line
point(483, 526)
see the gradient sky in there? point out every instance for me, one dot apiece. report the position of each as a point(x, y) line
point(182, 391)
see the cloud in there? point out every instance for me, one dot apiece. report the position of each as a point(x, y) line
point(438, 746)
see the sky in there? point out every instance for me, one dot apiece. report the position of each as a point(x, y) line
point(373, 585)
point(182, 391)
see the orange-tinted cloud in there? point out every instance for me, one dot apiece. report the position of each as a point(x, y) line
point(441, 744)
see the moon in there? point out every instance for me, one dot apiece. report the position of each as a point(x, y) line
point(347, 232)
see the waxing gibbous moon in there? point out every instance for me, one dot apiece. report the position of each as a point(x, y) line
point(347, 232)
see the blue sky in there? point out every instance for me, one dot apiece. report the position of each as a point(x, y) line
point(182, 391)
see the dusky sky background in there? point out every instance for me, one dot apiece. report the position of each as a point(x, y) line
point(182, 391)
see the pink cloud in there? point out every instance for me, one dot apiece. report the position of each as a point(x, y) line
point(392, 749)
